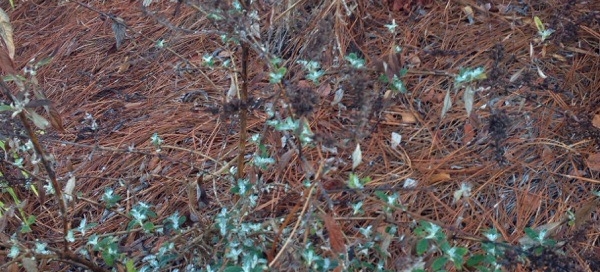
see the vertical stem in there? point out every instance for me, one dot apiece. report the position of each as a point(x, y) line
point(243, 111)
point(51, 174)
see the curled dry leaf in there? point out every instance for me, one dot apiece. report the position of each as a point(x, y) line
point(6, 32)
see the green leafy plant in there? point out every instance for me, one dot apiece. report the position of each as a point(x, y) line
point(542, 31)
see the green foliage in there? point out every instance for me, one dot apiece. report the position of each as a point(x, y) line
point(110, 198)
point(355, 182)
point(140, 215)
point(355, 61)
point(468, 75)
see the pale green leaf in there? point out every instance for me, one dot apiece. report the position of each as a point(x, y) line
point(38, 120)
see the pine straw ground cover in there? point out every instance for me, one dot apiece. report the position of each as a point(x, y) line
point(151, 120)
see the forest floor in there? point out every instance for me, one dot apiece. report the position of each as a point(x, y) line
point(519, 152)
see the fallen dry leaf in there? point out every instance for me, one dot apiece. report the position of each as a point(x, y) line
point(324, 90)
point(582, 215)
point(408, 117)
point(336, 237)
point(547, 155)
point(6, 64)
point(593, 162)
point(469, 133)
point(55, 119)
point(596, 120)
point(439, 177)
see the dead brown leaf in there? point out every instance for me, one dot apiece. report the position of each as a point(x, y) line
point(593, 162)
point(547, 155)
point(582, 215)
point(408, 117)
point(55, 119)
point(469, 133)
point(439, 177)
point(596, 120)
point(336, 236)
point(6, 64)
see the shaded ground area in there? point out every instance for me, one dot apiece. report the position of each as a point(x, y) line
point(526, 155)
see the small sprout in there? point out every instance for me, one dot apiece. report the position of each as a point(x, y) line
point(467, 75)
point(263, 162)
point(276, 76)
point(237, 6)
point(14, 252)
point(286, 124)
point(312, 68)
point(397, 49)
point(315, 75)
point(309, 65)
point(255, 138)
point(355, 182)
point(542, 31)
point(366, 231)
point(160, 43)
point(208, 60)
point(70, 236)
point(355, 61)
point(174, 221)
point(242, 187)
point(156, 140)
point(492, 234)
point(392, 27)
point(464, 191)
point(398, 85)
point(140, 213)
point(357, 208)
point(276, 61)
point(215, 16)
point(41, 248)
